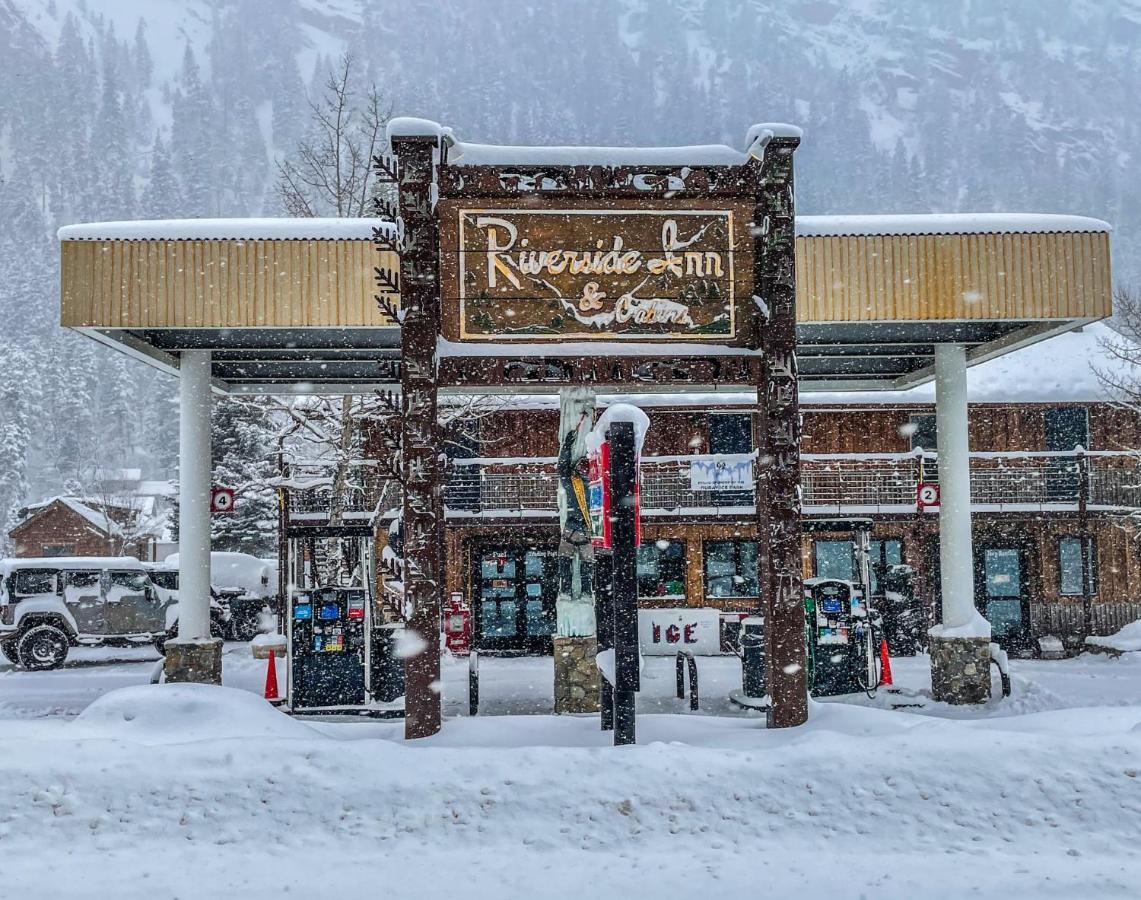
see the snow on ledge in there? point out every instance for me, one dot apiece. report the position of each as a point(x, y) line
point(464, 154)
point(977, 627)
point(228, 230)
point(947, 223)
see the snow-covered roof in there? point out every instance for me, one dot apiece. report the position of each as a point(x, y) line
point(482, 154)
point(317, 229)
point(947, 223)
point(93, 516)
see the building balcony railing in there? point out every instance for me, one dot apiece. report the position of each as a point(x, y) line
point(830, 484)
point(308, 490)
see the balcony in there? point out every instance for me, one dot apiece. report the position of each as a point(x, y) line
point(307, 490)
point(840, 484)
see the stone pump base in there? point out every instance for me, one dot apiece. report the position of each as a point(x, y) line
point(198, 661)
point(576, 675)
point(960, 669)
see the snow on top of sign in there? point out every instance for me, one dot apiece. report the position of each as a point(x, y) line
point(227, 230)
point(465, 154)
point(470, 154)
point(947, 223)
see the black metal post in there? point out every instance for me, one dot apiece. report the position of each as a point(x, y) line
point(604, 633)
point(625, 585)
point(473, 683)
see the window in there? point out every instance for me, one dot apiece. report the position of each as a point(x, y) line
point(1067, 427)
point(731, 569)
point(834, 559)
point(924, 434)
point(730, 433)
point(58, 550)
point(661, 570)
point(35, 581)
point(1070, 566)
point(884, 555)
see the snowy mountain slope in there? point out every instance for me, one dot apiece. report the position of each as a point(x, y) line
point(907, 106)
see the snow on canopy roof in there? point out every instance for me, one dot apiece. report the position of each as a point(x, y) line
point(947, 223)
point(316, 229)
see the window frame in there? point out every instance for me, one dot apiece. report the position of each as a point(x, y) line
point(19, 574)
point(854, 575)
point(684, 561)
point(49, 551)
point(736, 543)
point(1093, 565)
point(913, 419)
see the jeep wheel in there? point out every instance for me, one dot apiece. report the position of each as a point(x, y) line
point(8, 648)
point(245, 625)
point(42, 647)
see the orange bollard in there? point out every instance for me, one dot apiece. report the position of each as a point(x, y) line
point(885, 665)
point(271, 678)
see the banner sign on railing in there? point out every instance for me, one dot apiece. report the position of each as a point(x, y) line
point(727, 473)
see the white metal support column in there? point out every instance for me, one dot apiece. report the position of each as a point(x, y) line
point(194, 474)
point(960, 647)
point(955, 548)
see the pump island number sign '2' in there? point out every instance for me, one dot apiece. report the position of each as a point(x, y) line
point(591, 274)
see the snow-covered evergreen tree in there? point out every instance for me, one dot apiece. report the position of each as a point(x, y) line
point(245, 458)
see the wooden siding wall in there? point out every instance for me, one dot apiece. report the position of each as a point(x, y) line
point(860, 278)
point(219, 284)
point(292, 283)
point(993, 428)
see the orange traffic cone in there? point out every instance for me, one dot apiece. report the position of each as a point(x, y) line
point(271, 678)
point(885, 665)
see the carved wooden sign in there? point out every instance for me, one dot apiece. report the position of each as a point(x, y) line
point(533, 274)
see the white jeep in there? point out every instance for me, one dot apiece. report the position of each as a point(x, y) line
point(48, 606)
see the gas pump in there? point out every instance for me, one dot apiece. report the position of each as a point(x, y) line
point(840, 637)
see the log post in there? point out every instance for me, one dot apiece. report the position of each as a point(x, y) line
point(777, 430)
point(421, 470)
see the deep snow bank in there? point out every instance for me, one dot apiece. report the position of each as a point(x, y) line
point(177, 713)
point(859, 800)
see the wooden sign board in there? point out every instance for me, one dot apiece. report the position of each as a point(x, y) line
point(621, 273)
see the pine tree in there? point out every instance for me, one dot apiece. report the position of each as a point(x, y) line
point(245, 459)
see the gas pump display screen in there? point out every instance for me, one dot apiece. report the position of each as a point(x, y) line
point(329, 611)
point(303, 612)
point(831, 605)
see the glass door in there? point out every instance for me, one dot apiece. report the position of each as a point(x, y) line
point(516, 608)
point(1000, 589)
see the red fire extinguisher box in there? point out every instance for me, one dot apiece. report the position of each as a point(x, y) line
point(457, 626)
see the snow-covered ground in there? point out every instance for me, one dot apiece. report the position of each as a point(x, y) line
point(199, 792)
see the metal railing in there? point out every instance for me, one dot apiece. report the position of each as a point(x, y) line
point(308, 490)
point(829, 482)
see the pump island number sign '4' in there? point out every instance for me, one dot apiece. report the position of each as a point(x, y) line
point(592, 274)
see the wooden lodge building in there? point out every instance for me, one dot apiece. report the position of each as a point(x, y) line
point(864, 455)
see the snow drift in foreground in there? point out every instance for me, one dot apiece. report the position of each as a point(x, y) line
point(206, 792)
